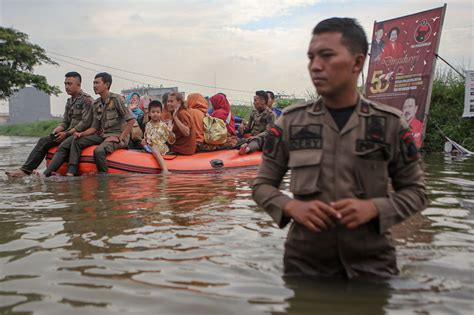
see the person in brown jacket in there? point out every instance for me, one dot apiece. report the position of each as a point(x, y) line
point(77, 117)
point(343, 152)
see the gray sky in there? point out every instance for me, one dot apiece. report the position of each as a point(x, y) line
point(242, 45)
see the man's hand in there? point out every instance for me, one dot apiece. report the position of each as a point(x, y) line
point(112, 139)
point(355, 212)
point(244, 149)
point(242, 127)
point(77, 135)
point(60, 136)
point(58, 129)
point(314, 215)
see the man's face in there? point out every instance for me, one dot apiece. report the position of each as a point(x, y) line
point(409, 109)
point(259, 103)
point(379, 34)
point(100, 86)
point(270, 100)
point(332, 67)
point(72, 85)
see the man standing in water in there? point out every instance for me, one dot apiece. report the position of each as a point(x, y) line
point(110, 128)
point(341, 149)
point(77, 118)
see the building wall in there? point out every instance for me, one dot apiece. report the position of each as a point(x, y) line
point(28, 105)
point(4, 119)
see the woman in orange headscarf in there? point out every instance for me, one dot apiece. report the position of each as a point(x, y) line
point(197, 105)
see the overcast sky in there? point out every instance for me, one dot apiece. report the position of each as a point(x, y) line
point(245, 45)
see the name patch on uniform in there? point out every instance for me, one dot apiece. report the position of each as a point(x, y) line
point(306, 137)
point(375, 129)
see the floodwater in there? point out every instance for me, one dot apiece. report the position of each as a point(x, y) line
point(198, 244)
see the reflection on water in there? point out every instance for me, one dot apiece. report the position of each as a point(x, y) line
point(198, 244)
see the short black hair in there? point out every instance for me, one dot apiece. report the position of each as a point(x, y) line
point(263, 95)
point(74, 74)
point(106, 77)
point(272, 95)
point(353, 35)
point(154, 104)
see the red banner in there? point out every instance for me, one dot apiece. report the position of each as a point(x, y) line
point(401, 66)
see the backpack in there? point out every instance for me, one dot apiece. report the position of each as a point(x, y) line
point(215, 129)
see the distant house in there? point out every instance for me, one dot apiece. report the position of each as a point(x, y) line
point(4, 118)
point(28, 105)
point(155, 93)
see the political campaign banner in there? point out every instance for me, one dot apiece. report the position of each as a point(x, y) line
point(469, 95)
point(402, 62)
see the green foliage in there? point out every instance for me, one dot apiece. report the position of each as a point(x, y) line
point(282, 103)
point(242, 111)
point(36, 129)
point(447, 105)
point(17, 59)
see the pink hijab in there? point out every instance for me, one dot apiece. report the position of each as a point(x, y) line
point(221, 110)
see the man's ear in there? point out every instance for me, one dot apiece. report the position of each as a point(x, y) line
point(359, 63)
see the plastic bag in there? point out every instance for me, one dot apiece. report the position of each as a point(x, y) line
point(215, 130)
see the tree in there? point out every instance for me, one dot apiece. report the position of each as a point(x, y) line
point(17, 59)
point(447, 104)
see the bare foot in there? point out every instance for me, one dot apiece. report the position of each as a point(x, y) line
point(16, 173)
point(37, 174)
point(70, 174)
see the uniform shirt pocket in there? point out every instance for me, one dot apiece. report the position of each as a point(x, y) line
point(371, 173)
point(112, 118)
point(305, 166)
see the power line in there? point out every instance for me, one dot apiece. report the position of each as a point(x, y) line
point(132, 80)
point(150, 76)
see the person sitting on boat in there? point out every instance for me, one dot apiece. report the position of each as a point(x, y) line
point(110, 128)
point(132, 101)
point(183, 126)
point(157, 133)
point(222, 110)
point(197, 105)
point(77, 117)
point(261, 121)
point(271, 101)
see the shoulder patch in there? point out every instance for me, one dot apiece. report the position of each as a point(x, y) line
point(272, 142)
point(383, 107)
point(408, 147)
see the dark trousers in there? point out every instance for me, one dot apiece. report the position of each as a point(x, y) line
point(38, 153)
point(100, 153)
point(61, 155)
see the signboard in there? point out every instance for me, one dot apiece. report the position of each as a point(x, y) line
point(401, 66)
point(469, 95)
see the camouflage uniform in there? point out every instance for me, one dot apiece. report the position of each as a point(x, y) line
point(77, 115)
point(110, 119)
point(328, 164)
point(260, 121)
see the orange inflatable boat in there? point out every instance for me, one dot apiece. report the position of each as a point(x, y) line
point(130, 161)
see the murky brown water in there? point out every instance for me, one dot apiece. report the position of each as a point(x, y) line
point(198, 244)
